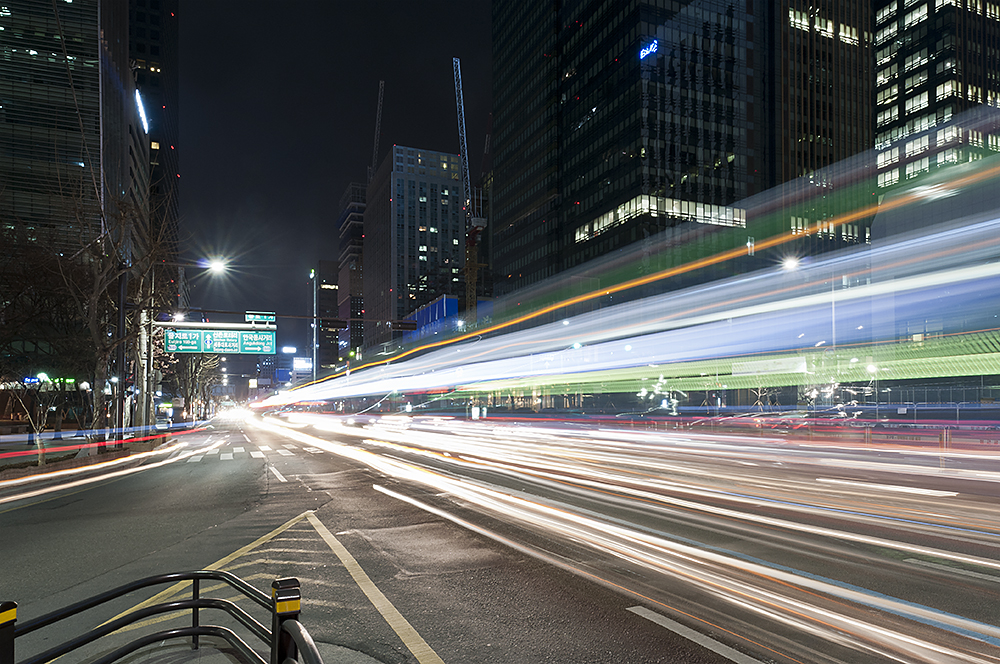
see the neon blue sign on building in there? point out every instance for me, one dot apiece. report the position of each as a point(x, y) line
point(649, 50)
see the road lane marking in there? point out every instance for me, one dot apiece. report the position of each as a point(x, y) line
point(692, 635)
point(214, 451)
point(245, 437)
point(285, 453)
point(945, 568)
point(416, 644)
point(89, 480)
point(196, 459)
point(257, 455)
point(290, 447)
point(265, 448)
point(180, 586)
point(226, 456)
point(239, 450)
point(889, 487)
point(281, 478)
point(314, 450)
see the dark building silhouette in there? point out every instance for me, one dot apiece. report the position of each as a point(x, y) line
point(414, 234)
point(327, 308)
point(73, 147)
point(614, 122)
point(153, 51)
point(350, 295)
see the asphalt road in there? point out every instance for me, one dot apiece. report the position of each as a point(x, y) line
point(381, 578)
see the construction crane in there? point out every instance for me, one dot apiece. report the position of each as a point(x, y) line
point(378, 129)
point(474, 223)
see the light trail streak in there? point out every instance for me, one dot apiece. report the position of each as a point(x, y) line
point(807, 602)
point(948, 273)
point(102, 476)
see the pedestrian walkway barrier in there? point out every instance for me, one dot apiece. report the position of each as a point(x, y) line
point(287, 639)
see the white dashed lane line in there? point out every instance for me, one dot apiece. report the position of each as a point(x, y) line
point(691, 635)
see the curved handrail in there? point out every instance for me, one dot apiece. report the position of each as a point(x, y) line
point(308, 653)
point(216, 575)
point(107, 628)
point(207, 630)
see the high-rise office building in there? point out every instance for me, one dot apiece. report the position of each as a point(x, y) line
point(814, 80)
point(153, 50)
point(73, 144)
point(414, 235)
point(350, 230)
point(933, 61)
point(616, 121)
point(327, 307)
point(612, 122)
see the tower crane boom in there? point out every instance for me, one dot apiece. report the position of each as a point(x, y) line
point(378, 129)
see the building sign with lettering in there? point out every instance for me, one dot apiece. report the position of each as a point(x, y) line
point(649, 50)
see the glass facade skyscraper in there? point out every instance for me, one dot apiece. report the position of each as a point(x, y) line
point(933, 60)
point(613, 122)
point(414, 236)
point(72, 144)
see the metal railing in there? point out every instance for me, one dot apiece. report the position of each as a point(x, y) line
point(287, 639)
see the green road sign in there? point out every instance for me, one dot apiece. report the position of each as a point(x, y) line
point(260, 316)
point(261, 343)
point(183, 341)
point(222, 342)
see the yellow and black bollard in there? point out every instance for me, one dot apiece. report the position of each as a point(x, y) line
point(286, 601)
point(8, 619)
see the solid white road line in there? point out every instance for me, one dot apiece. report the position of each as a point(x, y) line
point(281, 478)
point(955, 570)
point(423, 653)
point(257, 455)
point(691, 635)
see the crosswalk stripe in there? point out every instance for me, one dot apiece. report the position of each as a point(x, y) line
point(195, 459)
point(265, 448)
point(257, 455)
point(284, 453)
point(314, 450)
point(226, 457)
point(215, 451)
point(238, 449)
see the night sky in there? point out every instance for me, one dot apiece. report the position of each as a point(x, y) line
point(278, 104)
